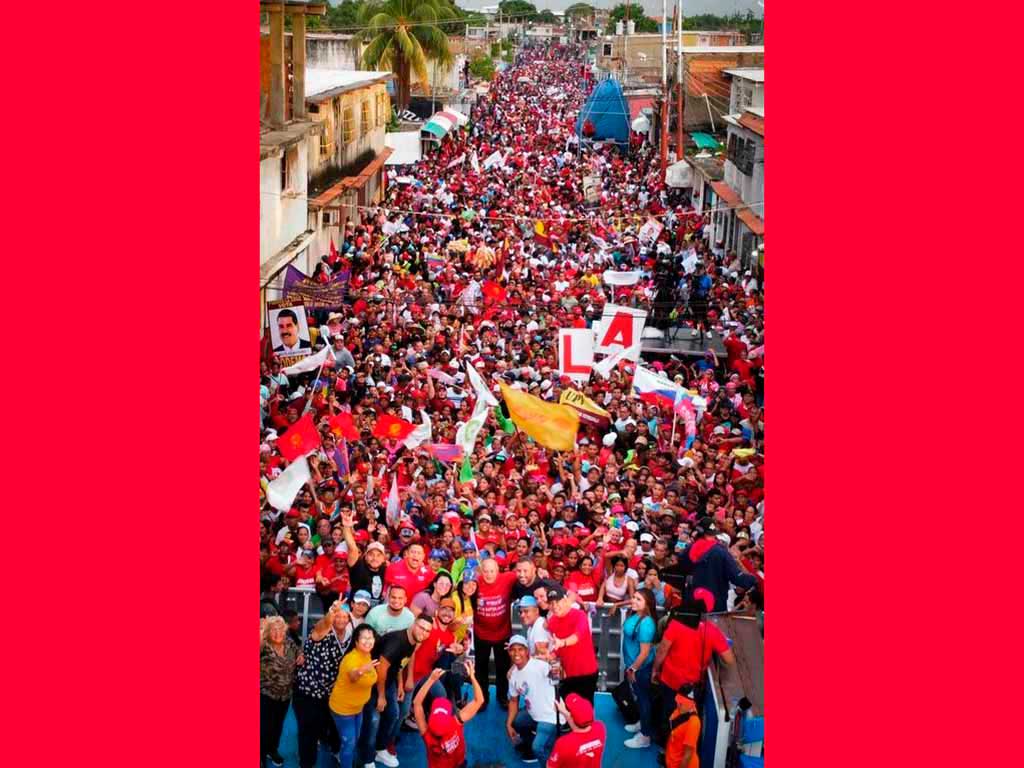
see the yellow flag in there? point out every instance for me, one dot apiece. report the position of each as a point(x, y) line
point(550, 424)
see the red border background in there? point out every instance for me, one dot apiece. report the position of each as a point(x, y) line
point(132, 613)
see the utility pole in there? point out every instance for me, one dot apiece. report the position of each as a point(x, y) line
point(665, 100)
point(680, 89)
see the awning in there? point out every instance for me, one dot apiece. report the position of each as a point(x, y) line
point(460, 118)
point(406, 146)
point(705, 140)
point(752, 220)
point(727, 194)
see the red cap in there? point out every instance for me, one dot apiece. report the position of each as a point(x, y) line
point(293, 513)
point(702, 594)
point(581, 710)
point(441, 722)
point(362, 535)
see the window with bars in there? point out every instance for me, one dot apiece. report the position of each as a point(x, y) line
point(364, 117)
point(741, 153)
point(348, 125)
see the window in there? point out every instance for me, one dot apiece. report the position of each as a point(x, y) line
point(364, 117)
point(284, 171)
point(348, 132)
point(607, 49)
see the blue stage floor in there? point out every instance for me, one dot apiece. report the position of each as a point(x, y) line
point(487, 743)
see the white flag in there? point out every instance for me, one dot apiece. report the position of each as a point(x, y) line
point(422, 434)
point(480, 387)
point(614, 277)
point(493, 159)
point(282, 491)
point(466, 435)
point(604, 368)
point(456, 161)
point(474, 162)
point(308, 363)
point(393, 507)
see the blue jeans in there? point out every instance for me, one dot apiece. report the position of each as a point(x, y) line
point(366, 749)
point(642, 694)
point(390, 718)
point(349, 727)
point(542, 741)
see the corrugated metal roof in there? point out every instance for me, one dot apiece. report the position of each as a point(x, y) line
point(753, 123)
point(320, 82)
point(747, 73)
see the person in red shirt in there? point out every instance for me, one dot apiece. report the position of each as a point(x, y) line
point(584, 582)
point(486, 533)
point(442, 730)
point(492, 625)
point(573, 643)
point(303, 572)
point(410, 571)
point(684, 653)
point(583, 746)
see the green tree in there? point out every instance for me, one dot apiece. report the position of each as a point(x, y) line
point(517, 9)
point(481, 66)
point(403, 35)
point(546, 17)
point(580, 9)
point(636, 15)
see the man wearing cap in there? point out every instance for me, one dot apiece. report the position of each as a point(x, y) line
point(711, 566)
point(366, 572)
point(572, 642)
point(314, 680)
point(684, 730)
point(537, 635)
point(583, 746)
point(534, 728)
point(442, 730)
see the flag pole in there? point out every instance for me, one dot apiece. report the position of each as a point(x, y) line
point(309, 400)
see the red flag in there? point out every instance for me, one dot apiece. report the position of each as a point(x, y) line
point(334, 251)
point(343, 426)
point(300, 439)
point(390, 428)
point(493, 291)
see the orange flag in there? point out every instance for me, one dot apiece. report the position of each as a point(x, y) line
point(550, 424)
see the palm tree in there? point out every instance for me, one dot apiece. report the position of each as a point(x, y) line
point(403, 35)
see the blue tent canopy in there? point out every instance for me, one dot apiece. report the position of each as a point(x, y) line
point(606, 109)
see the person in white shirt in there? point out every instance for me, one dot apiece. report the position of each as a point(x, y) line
point(534, 728)
point(537, 635)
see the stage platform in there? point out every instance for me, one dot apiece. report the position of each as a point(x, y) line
point(683, 345)
point(488, 745)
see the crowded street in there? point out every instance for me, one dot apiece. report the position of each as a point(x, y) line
point(450, 465)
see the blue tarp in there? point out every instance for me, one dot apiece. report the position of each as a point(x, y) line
point(606, 109)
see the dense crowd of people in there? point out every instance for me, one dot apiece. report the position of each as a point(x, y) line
point(465, 266)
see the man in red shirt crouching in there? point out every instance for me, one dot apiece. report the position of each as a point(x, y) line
point(442, 729)
point(583, 746)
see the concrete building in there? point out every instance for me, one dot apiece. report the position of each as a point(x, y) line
point(739, 222)
point(346, 160)
point(285, 130)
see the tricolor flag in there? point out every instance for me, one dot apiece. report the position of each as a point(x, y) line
point(445, 452)
point(652, 388)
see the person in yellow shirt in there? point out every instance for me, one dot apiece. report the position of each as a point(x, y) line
point(462, 597)
point(357, 676)
point(684, 730)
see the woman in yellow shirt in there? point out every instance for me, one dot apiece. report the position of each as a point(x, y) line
point(463, 598)
point(356, 677)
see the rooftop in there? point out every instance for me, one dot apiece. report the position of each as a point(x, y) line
point(712, 168)
point(754, 74)
point(272, 140)
point(325, 83)
point(753, 123)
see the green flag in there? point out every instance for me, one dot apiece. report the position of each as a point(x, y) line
point(506, 424)
point(466, 473)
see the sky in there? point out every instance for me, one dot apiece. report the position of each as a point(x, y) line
point(652, 7)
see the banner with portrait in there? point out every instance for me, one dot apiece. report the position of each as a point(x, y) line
point(289, 333)
point(299, 289)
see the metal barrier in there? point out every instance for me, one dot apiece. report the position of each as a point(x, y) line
point(605, 628)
